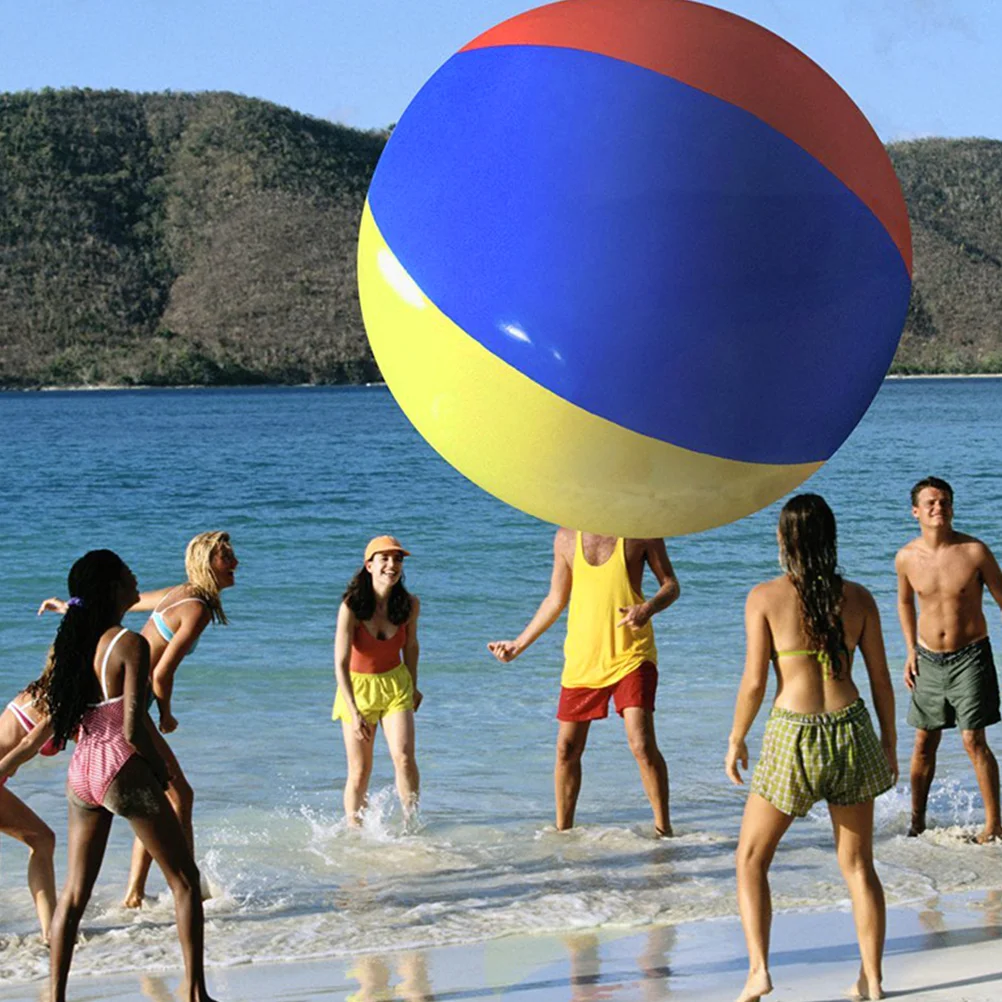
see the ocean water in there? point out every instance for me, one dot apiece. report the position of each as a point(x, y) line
point(301, 478)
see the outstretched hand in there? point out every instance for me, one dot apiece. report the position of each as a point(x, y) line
point(504, 650)
point(635, 616)
point(53, 605)
point(736, 752)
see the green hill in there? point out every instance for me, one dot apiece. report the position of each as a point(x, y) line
point(208, 238)
point(953, 188)
point(167, 239)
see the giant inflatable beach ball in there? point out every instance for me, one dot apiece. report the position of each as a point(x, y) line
point(637, 267)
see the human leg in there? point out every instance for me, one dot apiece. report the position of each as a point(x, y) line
point(974, 691)
point(182, 799)
point(923, 771)
point(136, 795)
point(639, 724)
point(356, 786)
point(88, 837)
point(986, 769)
point(572, 736)
point(762, 827)
point(21, 822)
point(853, 829)
point(399, 730)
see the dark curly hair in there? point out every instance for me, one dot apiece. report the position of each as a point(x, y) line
point(360, 597)
point(93, 579)
point(810, 559)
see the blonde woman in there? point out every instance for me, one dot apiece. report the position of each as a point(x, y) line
point(178, 615)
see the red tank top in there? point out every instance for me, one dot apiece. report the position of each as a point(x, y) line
point(370, 656)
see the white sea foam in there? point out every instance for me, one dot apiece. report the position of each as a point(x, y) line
point(299, 884)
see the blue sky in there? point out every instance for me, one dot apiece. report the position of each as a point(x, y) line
point(915, 67)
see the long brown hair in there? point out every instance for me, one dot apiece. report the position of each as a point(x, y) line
point(810, 558)
point(93, 583)
point(360, 597)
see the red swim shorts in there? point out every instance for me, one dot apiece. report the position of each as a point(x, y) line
point(635, 689)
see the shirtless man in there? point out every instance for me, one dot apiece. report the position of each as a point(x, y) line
point(949, 667)
point(609, 653)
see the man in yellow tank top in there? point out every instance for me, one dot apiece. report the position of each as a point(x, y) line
point(609, 653)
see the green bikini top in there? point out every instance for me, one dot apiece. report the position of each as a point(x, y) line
point(822, 657)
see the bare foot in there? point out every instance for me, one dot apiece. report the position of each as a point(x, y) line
point(133, 899)
point(861, 989)
point(917, 827)
point(988, 836)
point(195, 993)
point(758, 984)
point(663, 832)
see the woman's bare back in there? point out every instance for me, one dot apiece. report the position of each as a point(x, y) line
point(805, 683)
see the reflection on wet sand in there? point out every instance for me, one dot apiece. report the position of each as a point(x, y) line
point(374, 972)
point(596, 971)
point(155, 989)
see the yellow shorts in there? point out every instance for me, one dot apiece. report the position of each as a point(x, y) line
point(377, 695)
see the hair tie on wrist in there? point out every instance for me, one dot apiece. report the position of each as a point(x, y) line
point(76, 602)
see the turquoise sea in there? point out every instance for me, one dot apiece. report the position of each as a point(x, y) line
point(301, 478)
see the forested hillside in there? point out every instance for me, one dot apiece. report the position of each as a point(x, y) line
point(954, 192)
point(208, 238)
point(178, 238)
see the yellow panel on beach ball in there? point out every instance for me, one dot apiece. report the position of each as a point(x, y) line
point(528, 446)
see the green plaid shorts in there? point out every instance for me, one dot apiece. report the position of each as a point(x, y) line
point(824, 756)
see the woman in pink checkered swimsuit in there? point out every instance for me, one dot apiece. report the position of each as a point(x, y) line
point(96, 689)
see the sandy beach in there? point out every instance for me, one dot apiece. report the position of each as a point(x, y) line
point(941, 950)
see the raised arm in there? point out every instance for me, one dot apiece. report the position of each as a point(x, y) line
point(871, 644)
point(907, 617)
point(135, 651)
point(346, 623)
point(549, 609)
point(190, 629)
point(26, 749)
point(668, 591)
point(754, 681)
point(148, 600)
point(412, 648)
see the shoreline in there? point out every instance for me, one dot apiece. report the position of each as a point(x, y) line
point(114, 387)
point(938, 950)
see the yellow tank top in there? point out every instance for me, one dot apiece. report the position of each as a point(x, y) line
point(597, 653)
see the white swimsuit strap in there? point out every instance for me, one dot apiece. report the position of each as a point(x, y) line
point(167, 595)
point(104, 663)
point(174, 605)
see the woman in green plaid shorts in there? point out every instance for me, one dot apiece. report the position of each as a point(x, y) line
point(819, 743)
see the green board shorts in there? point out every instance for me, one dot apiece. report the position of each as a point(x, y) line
point(807, 757)
point(955, 689)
